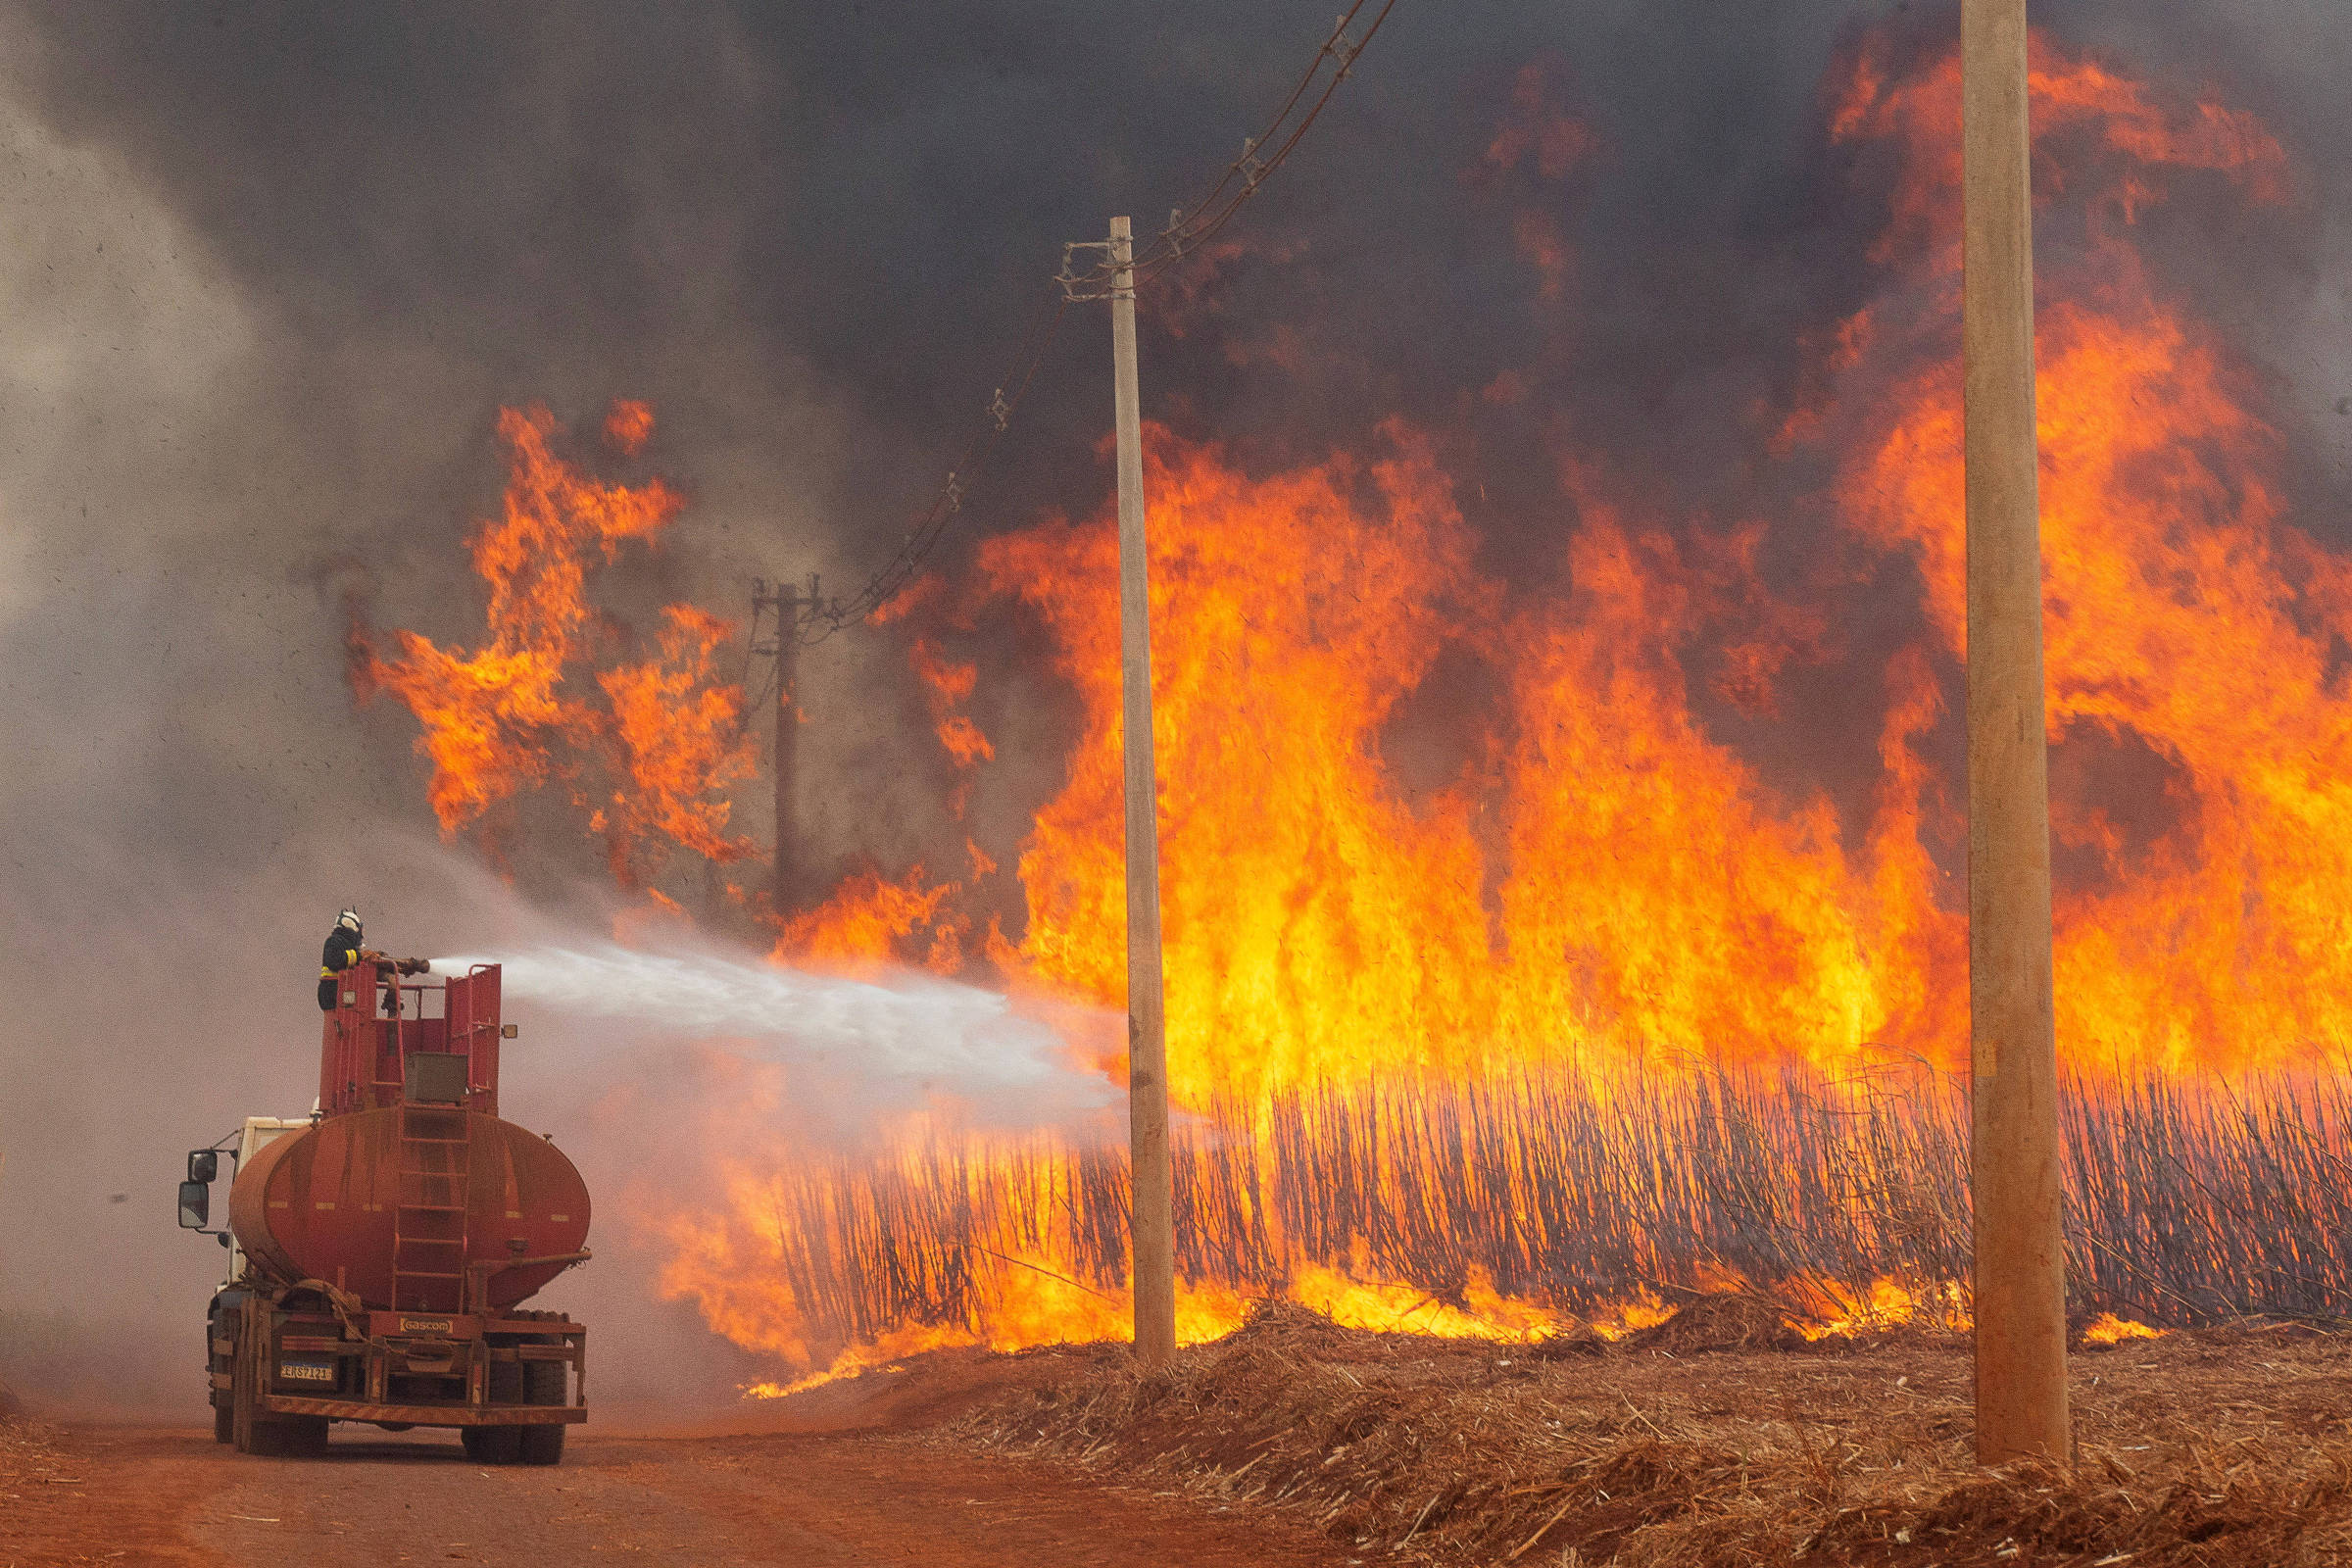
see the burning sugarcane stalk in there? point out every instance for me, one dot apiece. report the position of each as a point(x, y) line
point(1531, 1203)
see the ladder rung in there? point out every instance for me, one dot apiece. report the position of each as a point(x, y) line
point(424, 1274)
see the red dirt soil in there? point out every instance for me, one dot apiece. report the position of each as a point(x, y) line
point(859, 1493)
point(1297, 1444)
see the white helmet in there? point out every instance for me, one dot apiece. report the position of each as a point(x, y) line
point(349, 920)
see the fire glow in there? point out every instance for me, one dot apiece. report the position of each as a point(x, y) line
point(1512, 1051)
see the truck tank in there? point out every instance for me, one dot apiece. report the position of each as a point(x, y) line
point(413, 1209)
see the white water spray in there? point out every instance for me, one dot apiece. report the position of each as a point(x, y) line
point(910, 1026)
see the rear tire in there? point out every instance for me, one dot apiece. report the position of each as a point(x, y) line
point(302, 1436)
point(492, 1444)
point(543, 1384)
point(225, 1424)
point(243, 1429)
point(289, 1437)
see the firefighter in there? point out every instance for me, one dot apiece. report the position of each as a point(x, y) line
point(343, 951)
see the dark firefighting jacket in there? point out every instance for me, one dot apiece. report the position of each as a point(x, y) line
point(341, 953)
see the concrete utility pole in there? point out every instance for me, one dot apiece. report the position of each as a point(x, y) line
point(2020, 1256)
point(1153, 1226)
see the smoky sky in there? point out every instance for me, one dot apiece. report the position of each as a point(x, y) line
point(564, 195)
point(271, 269)
point(811, 234)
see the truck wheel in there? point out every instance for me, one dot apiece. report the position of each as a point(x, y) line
point(492, 1444)
point(300, 1435)
point(252, 1429)
point(218, 1323)
point(243, 1431)
point(288, 1437)
point(543, 1384)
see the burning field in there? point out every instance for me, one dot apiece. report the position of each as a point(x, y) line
point(1526, 972)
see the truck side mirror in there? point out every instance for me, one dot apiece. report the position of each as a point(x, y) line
point(204, 1164)
point(195, 1205)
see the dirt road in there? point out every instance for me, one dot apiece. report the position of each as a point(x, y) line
point(133, 1496)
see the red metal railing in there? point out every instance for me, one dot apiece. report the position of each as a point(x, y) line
point(380, 1021)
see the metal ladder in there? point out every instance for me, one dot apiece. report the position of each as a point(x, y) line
point(428, 1224)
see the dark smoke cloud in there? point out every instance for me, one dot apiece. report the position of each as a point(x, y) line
point(273, 267)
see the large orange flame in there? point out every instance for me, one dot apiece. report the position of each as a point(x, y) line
point(2189, 624)
point(648, 748)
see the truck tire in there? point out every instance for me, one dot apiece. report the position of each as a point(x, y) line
point(543, 1384)
point(297, 1437)
point(241, 1405)
point(288, 1437)
point(250, 1428)
point(502, 1386)
point(492, 1444)
point(217, 1326)
point(542, 1444)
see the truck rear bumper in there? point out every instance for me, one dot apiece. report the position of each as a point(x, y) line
point(426, 1415)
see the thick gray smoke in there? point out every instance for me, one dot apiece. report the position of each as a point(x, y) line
point(271, 269)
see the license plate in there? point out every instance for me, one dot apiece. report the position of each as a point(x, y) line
point(307, 1371)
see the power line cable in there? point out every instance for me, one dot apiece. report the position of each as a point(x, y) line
point(1187, 230)
point(824, 620)
point(1190, 229)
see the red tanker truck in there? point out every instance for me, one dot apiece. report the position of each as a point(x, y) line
point(380, 1247)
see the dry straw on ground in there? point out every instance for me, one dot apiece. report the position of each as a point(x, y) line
point(29, 1455)
point(2218, 1448)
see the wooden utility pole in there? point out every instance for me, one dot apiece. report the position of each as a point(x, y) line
point(2014, 1172)
point(1153, 1225)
